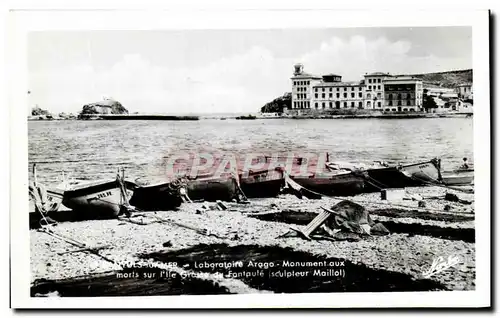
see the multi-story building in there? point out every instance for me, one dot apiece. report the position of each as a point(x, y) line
point(378, 91)
point(302, 87)
point(465, 91)
point(374, 90)
point(331, 92)
point(403, 94)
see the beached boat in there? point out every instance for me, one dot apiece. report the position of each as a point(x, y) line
point(157, 197)
point(381, 175)
point(341, 182)
point(408, 175)
point(458, 177)
point(213, 189)
point(262, 183)
point(99, 199)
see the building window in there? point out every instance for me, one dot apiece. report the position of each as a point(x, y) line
point(408, 96)
point(345, 89)
point(353, 95)
point(323, 104)
point(380, 80)
point(399, 96)
point(379, 95)
point(359, 88)
point(315, 89)
point(331, 105)
point(360, 95)
point(352, 104)
point(379, 87)
point(369, 80)
point(330, 95)
point(338, 95)
point(322, 89)
point(368, 95)
point(352, 88)
point(379, 104)
point(345, 95)
point(316, 95)
point(345, 104)
point(387, 109)
point(368, 104)
point(399, 103)
point(390, 103)
point(338, 89)
point(369, 87)
point(360, 104)
point(316, 105)
point(330, 89)
point(323, 95)
point(405, 109)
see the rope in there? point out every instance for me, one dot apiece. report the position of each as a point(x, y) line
point(377, 203)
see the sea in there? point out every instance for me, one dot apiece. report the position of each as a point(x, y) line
point(96, 149)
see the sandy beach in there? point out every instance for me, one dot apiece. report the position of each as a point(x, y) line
point(250, 233)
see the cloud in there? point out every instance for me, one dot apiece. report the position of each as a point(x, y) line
point(239, 83)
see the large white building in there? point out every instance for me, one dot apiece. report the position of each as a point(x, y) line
point(329, 92)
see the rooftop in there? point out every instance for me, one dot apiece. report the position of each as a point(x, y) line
point(378, 74)
point(306, 75)
point(338, 84)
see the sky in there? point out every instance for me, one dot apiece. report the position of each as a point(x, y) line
point(222, 71)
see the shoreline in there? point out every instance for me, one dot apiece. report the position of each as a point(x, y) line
point(196, 118)
point(251, 233)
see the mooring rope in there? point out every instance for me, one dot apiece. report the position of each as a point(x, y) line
point(377, 203)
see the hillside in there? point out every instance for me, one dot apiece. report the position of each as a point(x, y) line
point(278, 104)
point(107, 106)
point(446, 79)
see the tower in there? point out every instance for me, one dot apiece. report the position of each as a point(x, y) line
point(298, 69)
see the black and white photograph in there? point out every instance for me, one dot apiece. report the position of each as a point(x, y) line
point(305, 161)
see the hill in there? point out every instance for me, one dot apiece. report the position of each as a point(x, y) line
point(278, 104)
point(107, 106)
point(449, 79)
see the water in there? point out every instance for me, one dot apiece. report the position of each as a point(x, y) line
point(95, 149)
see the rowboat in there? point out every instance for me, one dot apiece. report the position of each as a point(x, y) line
point(382, 176)
point(103, 198)
point(160, 196)
point(262, 183)
point(458, 177)
point(342, 182)
point(213, 188)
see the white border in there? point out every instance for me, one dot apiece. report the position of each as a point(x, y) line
point(22, 22)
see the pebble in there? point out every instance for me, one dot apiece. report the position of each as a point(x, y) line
point(395, 252)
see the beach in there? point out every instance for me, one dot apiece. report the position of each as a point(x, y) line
point(251, 233)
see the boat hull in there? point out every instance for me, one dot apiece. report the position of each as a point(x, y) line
point(158, 197)
point(458, 178)
point(212, 189)
point(98, 200)
point(262, 184)
point(342, 184)
point(413, 175)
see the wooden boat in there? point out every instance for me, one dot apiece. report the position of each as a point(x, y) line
point(213, 188)
point(458, 177)
point(400, 176)
point(382, 175)
point(99, 199)
point(262, 183)
point(157, 197)
point(340, 182)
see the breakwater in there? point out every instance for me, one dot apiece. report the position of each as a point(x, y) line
point(139, 117)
